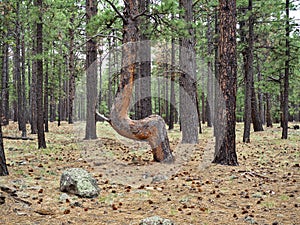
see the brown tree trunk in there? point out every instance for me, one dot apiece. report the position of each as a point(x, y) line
point(257, 124)
point(248, 71)
point(152, 128)
point(39, 83)
point(209, 87)
point(216, 66)
point(172, 89)
point(188, 86)
point(285, 112)
point(91, 74)
point(5, 75)
point(33, 94)
point(46, 97)
point(3, 166)
point(268, 111)
point(71, 94)
point(225, 149)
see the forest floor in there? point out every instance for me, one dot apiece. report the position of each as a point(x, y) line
point(263, 189)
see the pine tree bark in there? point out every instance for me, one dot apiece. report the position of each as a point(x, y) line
point(151, 129)
point(91, 75)
point(39, 83)
point(225, 148)
point(188, 86)
point(285, 108)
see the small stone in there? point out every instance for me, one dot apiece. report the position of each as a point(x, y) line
point(156, 220)
point(159, 178)
point(63, 197)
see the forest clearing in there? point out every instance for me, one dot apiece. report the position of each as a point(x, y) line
point(263, 189)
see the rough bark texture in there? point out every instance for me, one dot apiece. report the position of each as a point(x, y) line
point(187, 81)
point(225, 149)
point(285, 100)
point(39, 83)
point(152, 128)
point(91, 75)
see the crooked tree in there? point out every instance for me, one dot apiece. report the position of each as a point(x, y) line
point(151, 129)
point(225, 148)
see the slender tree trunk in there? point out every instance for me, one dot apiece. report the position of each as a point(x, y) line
point(188, 87)
point(285, 112)
point(209, 87)
point(91, 74)
point(71, 93)
point(3, 166)
point(109, 100)
point(18, 77)
point(260, 98)
point(172, 89)
point(152, 128)
point(225, 149)
point(248, 72)
point(33, 92)
point(257, 124)
point(216, 83)
point(268, 111)
point(5, 75)
point(46, 97)
point(39, 83)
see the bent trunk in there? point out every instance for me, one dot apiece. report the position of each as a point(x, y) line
point(152, 128)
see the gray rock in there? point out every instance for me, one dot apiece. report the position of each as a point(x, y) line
point(159, 178)
point(156, 220)
point(79, 182)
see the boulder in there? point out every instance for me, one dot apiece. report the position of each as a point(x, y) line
point(79, 182)
point(156, 220)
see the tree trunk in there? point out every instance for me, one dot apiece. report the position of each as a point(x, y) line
point(216, 83)
point(91, 74)
point(152, 128)
point(39, 83)
point(5, 77)
point(187, 81)
point(225, 149)
point(33, 94)
point(172, 89)
point(248, 71)
point(3, 166)
point(71, 94)
point(268, 111)
point(209, 87)
point(257, 124)
point(46, 97)
point(285, 112)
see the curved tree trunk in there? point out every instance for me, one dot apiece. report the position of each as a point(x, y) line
point(152, 128)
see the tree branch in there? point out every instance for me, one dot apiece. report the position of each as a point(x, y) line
point(116, 10)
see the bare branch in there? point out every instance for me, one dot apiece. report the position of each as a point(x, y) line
point(117, 11)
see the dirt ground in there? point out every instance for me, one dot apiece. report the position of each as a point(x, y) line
point(263, 189)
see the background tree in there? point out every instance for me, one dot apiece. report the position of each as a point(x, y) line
point(91, 73)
